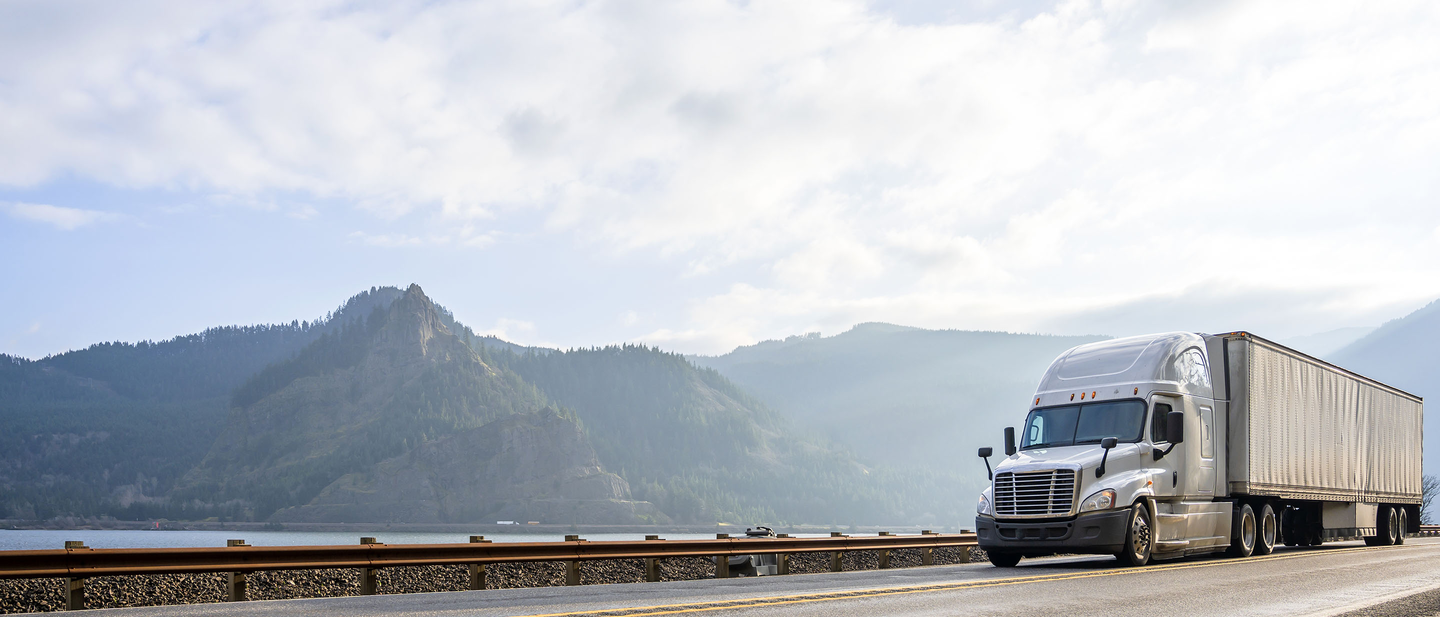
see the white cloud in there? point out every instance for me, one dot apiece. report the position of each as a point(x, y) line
point(34, 327)
point(465, 236)
point(67, 219)
point(802, 164)
point(388, 240)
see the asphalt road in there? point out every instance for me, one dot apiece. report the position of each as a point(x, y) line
point(1339, 579)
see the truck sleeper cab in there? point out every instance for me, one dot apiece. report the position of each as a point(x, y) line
point(1167, 445)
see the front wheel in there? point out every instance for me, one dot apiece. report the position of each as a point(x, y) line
point(1242, 542)
point(1003, 560)
point(1139, 537)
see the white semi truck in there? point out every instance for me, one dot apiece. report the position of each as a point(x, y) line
point(1162, 446)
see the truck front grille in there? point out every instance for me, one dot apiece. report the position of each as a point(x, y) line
point(1035, 493)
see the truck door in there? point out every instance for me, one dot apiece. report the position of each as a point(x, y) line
point(1206, 469)
point(1168, 482)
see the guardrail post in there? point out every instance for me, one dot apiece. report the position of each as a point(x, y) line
point(782, 560)
point(572, 568)
point(964, 550)
point(652, 565)
point(368, 576)
point(885, 553)
point(74, 594)
point(235, 581)
point(74, 587)
point(722, 562)
point(837, 558)
point(927, 554)
point(477, 570)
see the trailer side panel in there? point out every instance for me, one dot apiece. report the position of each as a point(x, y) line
point(1304, 429)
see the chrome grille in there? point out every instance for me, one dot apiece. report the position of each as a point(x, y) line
point(1035, 493)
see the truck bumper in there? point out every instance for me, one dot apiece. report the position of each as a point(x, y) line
point(1093, 532)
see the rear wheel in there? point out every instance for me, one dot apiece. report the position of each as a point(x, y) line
point(1003, 560)
point(1386, 524)
point(1267, 530)
point(1404, 525)
point(1139, 537)
point(1242, 542)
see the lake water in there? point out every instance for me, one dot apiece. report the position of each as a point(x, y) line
point(39, 539)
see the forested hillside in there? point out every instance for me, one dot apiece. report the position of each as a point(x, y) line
point(700, 448)
point(337, 417)
point(332, 417)
point(373, 388)
point(107, 430)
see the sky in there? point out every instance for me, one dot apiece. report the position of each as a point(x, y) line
point(700, 175)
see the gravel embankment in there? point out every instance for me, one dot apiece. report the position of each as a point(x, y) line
point(40, 595)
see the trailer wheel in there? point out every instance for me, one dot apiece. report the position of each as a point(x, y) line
point(1387, 526)
point(1266, 531)
point(1242, 542)
point(1003, 560)
point(1139, 537)
point(1403, 526)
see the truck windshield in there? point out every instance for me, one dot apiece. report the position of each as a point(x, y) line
point(1080, 424)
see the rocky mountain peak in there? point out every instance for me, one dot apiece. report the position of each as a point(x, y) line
point(412, 323)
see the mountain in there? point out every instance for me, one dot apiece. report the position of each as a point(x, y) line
point(527, 466)
point(905, 396)
point(107, 430)
point(370, 390)
point(700, 448)
point(1322, 344)
point(390, 410)
point(1402, 353)
point(396, 417)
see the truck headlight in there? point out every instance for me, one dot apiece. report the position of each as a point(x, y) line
point(984, 506)
point(1103, 500)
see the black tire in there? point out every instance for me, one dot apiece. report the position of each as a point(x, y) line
point(1385, 525)
point(1404, 525)
point(1242, 532)
point(1139, 537)
point(1267, 530)
point(1003, 560)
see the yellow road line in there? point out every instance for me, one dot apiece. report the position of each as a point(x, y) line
point(805, 598)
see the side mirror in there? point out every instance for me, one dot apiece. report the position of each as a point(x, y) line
point(1009, 441)
point(1175, 427)
point(1106, 444)
point(985, 454)
point(1174, 432)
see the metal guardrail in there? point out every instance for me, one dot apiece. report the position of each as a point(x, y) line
point(1429, 530)
point(77, 562)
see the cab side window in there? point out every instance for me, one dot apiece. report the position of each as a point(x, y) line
point(1157, 422)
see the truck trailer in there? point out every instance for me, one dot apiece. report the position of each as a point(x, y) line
point(1176, 444)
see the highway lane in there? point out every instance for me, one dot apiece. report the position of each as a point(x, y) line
point(1329, 580)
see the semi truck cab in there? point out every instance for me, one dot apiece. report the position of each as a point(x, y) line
point(1125, 448)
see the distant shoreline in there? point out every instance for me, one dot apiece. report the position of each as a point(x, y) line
point(474, 528)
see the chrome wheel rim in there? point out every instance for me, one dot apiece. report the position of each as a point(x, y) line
point(1394, 525)
point(1269, 531)
point(1140, 536)
point(1247, 531)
